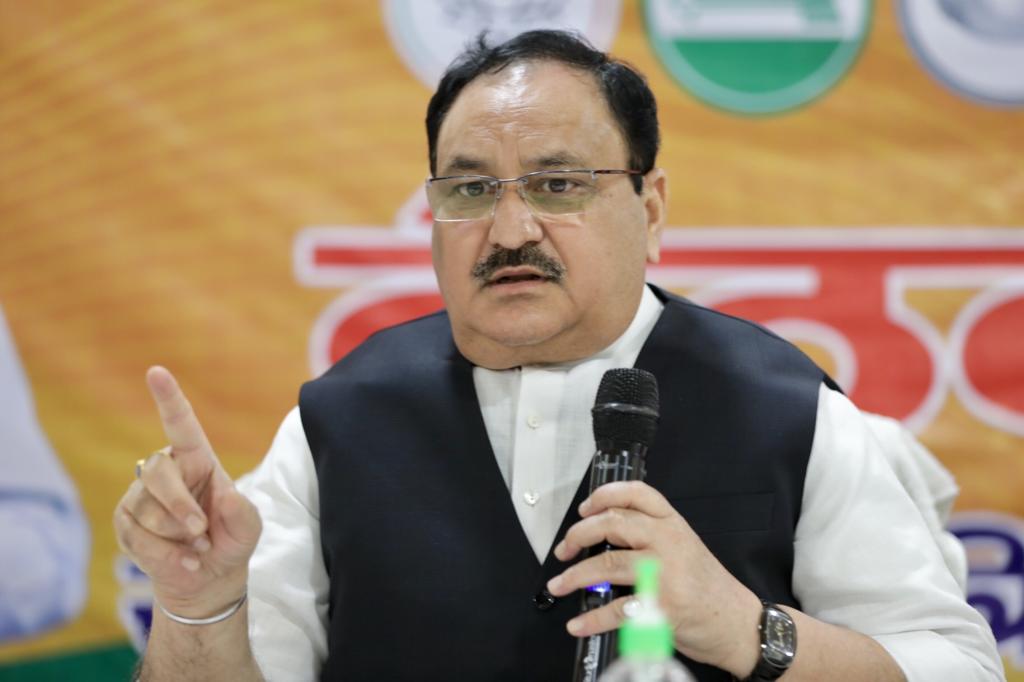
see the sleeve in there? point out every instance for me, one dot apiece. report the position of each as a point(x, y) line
point(44, 536)
point(44, 551)
point(930, 486)
point(866, 560)
point(288, 584)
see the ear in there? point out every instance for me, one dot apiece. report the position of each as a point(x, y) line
point(655, 198)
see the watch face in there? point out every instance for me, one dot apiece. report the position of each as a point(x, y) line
point(779, 638)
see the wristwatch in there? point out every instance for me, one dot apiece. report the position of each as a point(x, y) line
point(778, 644)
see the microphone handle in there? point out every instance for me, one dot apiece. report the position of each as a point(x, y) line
point(616, 461)
point(612, 462)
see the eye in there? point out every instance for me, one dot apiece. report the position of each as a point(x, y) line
point(474, 188)
point(557, 185)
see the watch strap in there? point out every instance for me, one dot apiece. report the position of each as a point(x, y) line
point(765, 672)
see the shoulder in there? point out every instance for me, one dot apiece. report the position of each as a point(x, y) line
point(715, 322)
point(732, 343)
point(395, 353)
point(410, 342)
point(431, 333)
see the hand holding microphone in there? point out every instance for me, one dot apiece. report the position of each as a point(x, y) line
point(626, 518)
point(625, 418)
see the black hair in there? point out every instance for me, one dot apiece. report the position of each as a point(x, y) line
point(624, 88)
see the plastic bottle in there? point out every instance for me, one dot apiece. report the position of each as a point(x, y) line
point(645, 639)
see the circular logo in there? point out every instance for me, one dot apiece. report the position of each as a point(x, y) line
point(428, 34)
point(974, 47)
point(757, 56)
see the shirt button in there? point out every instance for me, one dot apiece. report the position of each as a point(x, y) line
point(531, 497)
point(544, 600)
point(533, 421)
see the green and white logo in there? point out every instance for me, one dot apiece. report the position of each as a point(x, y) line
point(757, 56)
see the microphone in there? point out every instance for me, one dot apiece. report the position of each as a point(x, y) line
point(625, 418)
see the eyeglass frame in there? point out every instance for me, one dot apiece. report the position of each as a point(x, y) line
point(520, 189)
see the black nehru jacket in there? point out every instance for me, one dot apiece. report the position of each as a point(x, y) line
point(431, 575)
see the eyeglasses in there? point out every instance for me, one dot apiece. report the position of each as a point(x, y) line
point(546, 193)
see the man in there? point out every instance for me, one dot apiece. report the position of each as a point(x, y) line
point(390, 549)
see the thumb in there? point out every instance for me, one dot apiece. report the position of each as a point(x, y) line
point(237, 525)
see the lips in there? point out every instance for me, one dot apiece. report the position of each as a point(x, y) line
point(523, 267)
point(516, 275)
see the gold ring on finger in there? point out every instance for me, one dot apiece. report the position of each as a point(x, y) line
point(141, 463)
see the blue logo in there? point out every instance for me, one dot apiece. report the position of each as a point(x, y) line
point(995, 581)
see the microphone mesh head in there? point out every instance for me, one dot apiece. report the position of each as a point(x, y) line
point(626, 408)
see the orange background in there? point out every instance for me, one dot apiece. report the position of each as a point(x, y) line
point(157, 160)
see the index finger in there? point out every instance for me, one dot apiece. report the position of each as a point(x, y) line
point(627, 495)
point(183, 430)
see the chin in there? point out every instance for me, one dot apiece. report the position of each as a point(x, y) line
point(519, 331)
point(518, 337)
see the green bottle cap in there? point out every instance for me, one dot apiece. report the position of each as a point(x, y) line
point(646, 633)
point(647, 570)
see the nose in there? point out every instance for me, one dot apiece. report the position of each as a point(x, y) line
point(513, 224)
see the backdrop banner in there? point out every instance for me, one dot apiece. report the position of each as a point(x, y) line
point(235, 190)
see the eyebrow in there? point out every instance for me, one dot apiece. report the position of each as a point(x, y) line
point(463, 164)
point(559, 159)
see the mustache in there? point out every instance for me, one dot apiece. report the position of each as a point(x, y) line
point(527, 254)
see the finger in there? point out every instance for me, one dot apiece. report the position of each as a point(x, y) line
point(608, 617)
point(151, 515)
point(615, 567)
point(151, 553)
point(617, 526)
point(627, 495)
point(179, 421)
point(163, 480)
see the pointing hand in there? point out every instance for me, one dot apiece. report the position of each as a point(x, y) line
point(182, 521)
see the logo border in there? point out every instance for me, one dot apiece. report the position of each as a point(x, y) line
point(935, 71)
point(806, 91)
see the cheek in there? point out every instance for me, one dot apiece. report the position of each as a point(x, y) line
point(454, 256)
point(593, 262)
point(441, 255)
point(612, 246)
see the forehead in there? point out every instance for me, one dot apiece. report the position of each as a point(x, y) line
point(530, 115)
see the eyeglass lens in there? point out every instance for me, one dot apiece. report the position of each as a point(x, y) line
point(474, 197)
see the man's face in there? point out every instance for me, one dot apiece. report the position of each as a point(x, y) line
point(581, 287)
